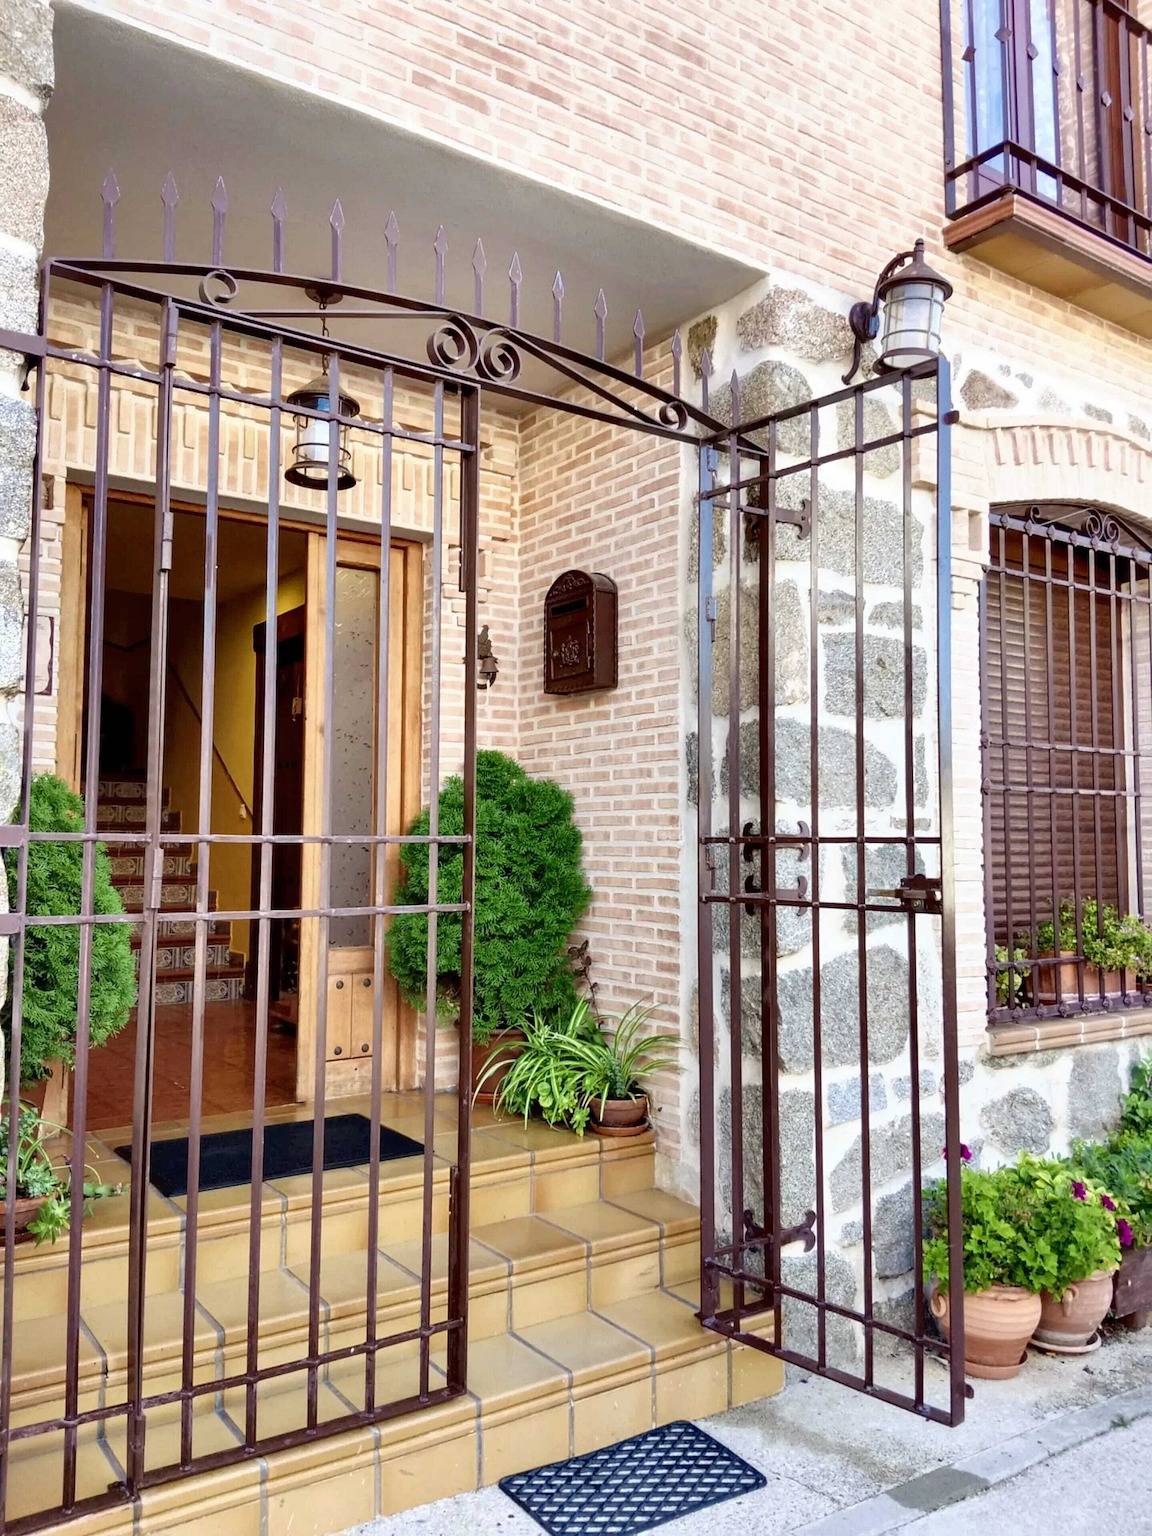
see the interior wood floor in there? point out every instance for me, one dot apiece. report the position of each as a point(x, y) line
point(229, 1065)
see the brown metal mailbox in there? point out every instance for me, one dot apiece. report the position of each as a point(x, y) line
point(580, 633)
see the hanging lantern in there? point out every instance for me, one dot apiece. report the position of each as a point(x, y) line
point(311, 464)
point(913, 296)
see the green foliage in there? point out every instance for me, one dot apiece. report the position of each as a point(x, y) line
point(1123, 1167)
point(52, 954)
point(1033, 1224)
point(38, 1177)
point(1004, 1242)
point(1136, 1110)
point(1111, 942)
point(1012, 980)
point(541, 1075)
point(1079, 1226)
point(613, 1067)
point(530, 894)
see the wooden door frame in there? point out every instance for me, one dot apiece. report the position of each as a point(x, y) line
point(351, 1076)
point(354, 546)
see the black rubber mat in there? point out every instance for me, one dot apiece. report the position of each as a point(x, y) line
point(633, 1486)
point(226, 1156)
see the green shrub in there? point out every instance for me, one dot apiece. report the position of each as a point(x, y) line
point(52, 954)
point(530, 894)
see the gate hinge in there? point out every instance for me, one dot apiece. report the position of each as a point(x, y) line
point(800, 519)
point(155, 887)
point(166, 538)
point(710, 612)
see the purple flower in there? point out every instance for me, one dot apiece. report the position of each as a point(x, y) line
point(1079, 1190)
point(1107, 1202)
point(965, 1152)
point(1124, 1233)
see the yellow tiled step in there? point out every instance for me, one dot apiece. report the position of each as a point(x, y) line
point(542, 1392)
point(522, 1271)
point(516, 1171)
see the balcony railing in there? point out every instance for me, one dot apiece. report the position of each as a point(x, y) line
point(1051, 101)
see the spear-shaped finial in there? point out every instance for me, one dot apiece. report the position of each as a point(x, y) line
point(515, 279)
point(557, 304)
point(600, 310)
point(336, 220)
point(109, 197)
point(440, 246)
point(219, 214)
point(392, 242)
point(638, 344)
point(279, 210)
point(479, 267)
point(677, 355)
point(169, 197)
point(705, 374)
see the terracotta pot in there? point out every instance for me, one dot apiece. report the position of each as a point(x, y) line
point(620, 1117)
point(998, 1324)
point(506, 1045)
point(1110, 983)
point(25, 1212)
point(1132, 1299)
point(1072, 1322)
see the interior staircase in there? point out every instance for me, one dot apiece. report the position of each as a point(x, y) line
point(121, 808)
point(582, 1331)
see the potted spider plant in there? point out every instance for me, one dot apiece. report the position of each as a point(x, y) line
point(535, 1073)
point(612, 1070)
point(43, 1185)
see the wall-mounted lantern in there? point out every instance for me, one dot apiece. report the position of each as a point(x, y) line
point(312, 449)
point(913, 296)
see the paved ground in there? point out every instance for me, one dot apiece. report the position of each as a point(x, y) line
point(1065, 1447)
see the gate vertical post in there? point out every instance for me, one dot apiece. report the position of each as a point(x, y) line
point(458, 1217)
point(709, 1289)
point(948, 887)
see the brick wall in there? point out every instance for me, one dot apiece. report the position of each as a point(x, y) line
point(603, 498)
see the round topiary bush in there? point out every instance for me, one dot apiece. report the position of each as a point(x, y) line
point(52, 954)
point(530, 894)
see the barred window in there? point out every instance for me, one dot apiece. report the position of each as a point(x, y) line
point(1066, 617)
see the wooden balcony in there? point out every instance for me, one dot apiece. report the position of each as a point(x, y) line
point(1048, 148)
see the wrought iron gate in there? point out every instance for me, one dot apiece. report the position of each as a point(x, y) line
point(826, 927)
point(172, 339)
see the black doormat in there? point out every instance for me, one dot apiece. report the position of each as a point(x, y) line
point(634, 1486)
point(226, 1156)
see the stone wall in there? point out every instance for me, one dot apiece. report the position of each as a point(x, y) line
point(26, 77)
point(1060, 436)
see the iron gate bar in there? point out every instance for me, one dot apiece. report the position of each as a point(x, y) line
point(816, 876)
point(379, 826)
point(735, 1005)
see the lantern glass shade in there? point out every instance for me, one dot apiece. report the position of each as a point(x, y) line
point(312, 450)
point(913, 299)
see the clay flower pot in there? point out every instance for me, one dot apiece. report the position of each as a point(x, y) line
point(1132, 1299)
point(998, 1324)
point(619, 1117)
point(1096, 982)
point(1071, 1325)
point(504, 1045)
point(26, 1209)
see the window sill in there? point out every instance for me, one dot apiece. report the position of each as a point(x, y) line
point(1056, 1034)
point(1032, 240)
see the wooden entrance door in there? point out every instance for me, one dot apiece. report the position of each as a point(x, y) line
point(343, 776)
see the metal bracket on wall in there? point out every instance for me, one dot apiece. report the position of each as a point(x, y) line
point(800, 519)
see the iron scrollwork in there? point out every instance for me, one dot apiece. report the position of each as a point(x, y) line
point(456, 345)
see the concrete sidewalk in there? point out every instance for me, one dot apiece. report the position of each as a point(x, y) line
point(1067, 1445)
